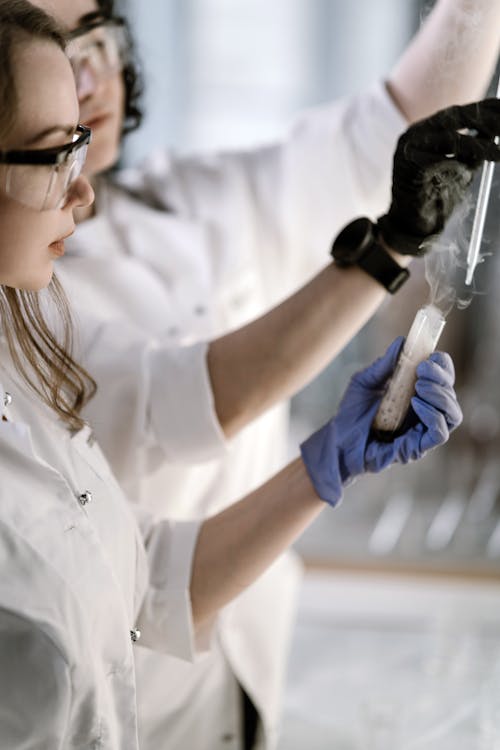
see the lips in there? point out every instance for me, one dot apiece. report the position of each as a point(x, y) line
point(57, 247)
point(96, 120)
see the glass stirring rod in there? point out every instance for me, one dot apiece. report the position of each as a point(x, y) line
point(483, 197)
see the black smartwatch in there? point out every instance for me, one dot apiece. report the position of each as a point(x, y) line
point(357, 245)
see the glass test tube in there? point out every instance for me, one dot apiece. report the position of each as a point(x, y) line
point(420, 342)
point(483, 198)
point(479, 219)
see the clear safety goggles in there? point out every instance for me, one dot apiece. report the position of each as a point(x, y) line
point(102, 45)
point(41, 178)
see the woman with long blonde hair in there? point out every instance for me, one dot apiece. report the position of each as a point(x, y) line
point(83, 582)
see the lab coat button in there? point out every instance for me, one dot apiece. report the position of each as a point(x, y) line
point(229, 737)
point(85, 497)
point(135, 634)
point(200, 310)
point(7, 399)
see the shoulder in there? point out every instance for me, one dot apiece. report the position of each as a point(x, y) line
point(35, 588)
point(35, 689)
point(166, 180)
point(28, 641)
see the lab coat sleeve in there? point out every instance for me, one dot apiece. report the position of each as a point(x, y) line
point(165, 617)
point(155, 401)
point(35, 687)
point(287, 201)
point(182, 414)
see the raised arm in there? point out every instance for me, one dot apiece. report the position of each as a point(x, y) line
point(450, 60)
point(269, 359)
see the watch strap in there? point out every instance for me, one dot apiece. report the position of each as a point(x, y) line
point(381, 266)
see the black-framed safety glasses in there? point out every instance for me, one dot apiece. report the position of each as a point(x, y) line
point(103, 45)
point(41, 178)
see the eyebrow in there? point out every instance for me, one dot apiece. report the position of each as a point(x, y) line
point(65, 129)
point(89, 18)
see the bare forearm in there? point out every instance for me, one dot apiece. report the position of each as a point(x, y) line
point(271, 358)
point(237, 545)
point(451, 59)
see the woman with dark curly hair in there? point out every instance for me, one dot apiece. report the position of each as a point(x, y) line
point(186, 249)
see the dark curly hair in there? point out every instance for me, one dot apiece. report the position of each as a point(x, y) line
point(132, 77)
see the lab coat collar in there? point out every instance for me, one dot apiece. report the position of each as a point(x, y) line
point(15, 433)
point(3, 401)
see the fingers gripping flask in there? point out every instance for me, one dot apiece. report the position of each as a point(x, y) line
point(420, 343)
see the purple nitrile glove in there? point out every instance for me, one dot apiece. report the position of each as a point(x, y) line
point(345, 447)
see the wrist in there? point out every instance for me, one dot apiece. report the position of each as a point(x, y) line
point(320, 458)
point(402, 260)
point(358, 244)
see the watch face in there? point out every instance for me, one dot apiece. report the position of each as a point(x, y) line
point(357, 245)
point(352, 242)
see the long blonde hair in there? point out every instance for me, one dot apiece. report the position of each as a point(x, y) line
point(43, 360)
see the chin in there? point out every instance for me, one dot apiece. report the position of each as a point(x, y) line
point(38, 282)
point(103, 154)
point(103, 160)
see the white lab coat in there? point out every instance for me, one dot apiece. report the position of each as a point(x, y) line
point(77, 578)
point(187, 249)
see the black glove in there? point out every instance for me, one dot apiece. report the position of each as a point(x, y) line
point(434, 164)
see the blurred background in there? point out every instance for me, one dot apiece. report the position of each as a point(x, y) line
point(233, 73)
point(224, 73)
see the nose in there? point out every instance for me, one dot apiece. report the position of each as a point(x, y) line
point(86, 80)
point(80, 193)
